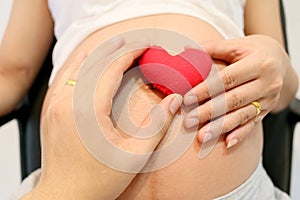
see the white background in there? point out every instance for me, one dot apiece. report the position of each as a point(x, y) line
point(9, 141)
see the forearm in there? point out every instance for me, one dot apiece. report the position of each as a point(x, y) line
point(10, 97)
point(13, 86)
point(24, 45)
point(15, 81)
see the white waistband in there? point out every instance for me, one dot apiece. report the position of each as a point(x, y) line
point(259, 187)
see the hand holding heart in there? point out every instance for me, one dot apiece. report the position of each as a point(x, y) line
point(259, 70)
point(256, 71)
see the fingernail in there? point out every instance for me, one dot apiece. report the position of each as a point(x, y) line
point(192, 118)
point(191, 122)
point(231, 143)
point(207, 137)
point(190, 98)
point(175, 104)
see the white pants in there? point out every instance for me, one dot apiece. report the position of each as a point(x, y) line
point(259, 187)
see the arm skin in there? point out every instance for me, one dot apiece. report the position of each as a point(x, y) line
point(268, 22)
point(23, 49)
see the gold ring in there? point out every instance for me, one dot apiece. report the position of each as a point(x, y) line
point(257, 106)
point(70, 82)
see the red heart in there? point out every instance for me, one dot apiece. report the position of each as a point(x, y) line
point(175, 74)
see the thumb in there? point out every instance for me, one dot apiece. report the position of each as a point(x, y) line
point(226, 50)
point(161, 116)
point(146, 139)
point(163, 113)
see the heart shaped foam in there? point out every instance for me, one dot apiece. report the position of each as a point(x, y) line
point(175, 74)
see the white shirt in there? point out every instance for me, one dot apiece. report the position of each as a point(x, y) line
point(76, 19)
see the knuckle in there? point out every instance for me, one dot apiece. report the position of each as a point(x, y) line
point(257, 120)
point(57, 109)
point(235, 51)
point(228, 80)
point(269, 62)
point(243, 117)
point(235, 101)
point(228, 126)
point(54, 111)
point(205, 93)
point(206, 115)
point(276, 86)
point(269, 65)
point(209, 85)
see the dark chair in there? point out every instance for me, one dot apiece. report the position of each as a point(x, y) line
point(278, 136)
point(279, 129)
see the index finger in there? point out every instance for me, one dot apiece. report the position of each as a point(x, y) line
point(227, 50)
point(111, 80)
point(218, 82)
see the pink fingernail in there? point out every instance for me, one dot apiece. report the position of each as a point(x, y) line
point(190, 98)
point(207, 137)
point(191, 122)
point(231, 143)
point(175, 104)
point(192, 119)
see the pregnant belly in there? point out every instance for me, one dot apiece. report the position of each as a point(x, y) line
point(188, 177)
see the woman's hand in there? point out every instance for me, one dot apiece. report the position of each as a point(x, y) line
point(69, 171)
point(256, 73)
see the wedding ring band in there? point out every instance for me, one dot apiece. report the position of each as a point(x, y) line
point(70, 82)
point(257, 106)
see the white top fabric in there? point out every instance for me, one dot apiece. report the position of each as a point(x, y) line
point(76, 19)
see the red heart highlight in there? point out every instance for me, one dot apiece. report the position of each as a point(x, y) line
point(175, 74)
